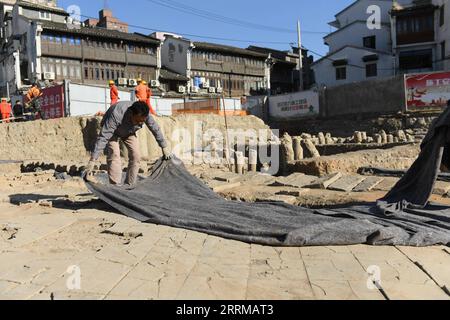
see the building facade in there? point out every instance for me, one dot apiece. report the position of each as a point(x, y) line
point(284, 69)
point(412, 36)
point(106, 20)
point(42, 43)
point(216, 69)
point(357, 52)
point(421, 35)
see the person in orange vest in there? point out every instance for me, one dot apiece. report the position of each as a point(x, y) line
point(149, 96)
point(5, 110)
point(143, 94)
point(141, 91)
point(33, 101)
point(113, 92)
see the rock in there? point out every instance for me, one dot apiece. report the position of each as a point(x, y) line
point(357, 137)
point(378, 139)
point(369, 140)
point(287, 149)
point(310, 149)
point(364, 136)
point(306, 136)
point(410, 122)
point(390, 138)
point(410, 138)
point(401, 136)
point(383, 136)
point(329, 141)
point(321, 138)
point(421, 122)
point(253, 160)
point(298, 150)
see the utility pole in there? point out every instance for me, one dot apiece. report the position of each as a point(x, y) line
point(300, 64)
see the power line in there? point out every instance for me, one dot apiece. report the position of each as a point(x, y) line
point(199, 36)
point(223, 19)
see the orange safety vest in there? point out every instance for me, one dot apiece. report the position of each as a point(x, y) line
point(114, 93)
point(5, 110)
point(33, 93)
point(141, 92)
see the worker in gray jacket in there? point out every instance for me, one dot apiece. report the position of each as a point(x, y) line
point(121, 122)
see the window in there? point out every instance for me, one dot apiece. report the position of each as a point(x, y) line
point(443, 50)
point(45, 15)
point(418, 59)
point(341, 73)
point(370, 42)
point(371, 70)
point(442, 15)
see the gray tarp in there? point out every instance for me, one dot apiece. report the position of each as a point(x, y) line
point(414, 189)
point(171, 196)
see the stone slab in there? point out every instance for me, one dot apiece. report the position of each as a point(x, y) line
point(368, 184)
point(325, 182)
point(297, 180)
point(346, 183)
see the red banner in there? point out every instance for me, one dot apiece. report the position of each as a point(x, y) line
point(427, 90)
point(52, 102)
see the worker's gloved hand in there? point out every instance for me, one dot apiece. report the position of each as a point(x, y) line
point(167, 154)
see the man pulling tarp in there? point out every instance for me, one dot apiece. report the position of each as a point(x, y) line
point(121, 122)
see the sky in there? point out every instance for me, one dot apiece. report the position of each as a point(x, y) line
point(266, 23)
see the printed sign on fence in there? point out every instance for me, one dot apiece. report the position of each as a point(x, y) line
point(52, 102)
point(295, 105)
point(427, 90)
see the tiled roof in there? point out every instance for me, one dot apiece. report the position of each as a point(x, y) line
point(98, 32)
point(167, 74)
point(37, 6)
point(230, 49)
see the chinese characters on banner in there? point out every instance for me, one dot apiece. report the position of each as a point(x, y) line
point(427, 90)
point(52, 102)
point(295, 105)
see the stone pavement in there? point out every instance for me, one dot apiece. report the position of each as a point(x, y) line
point(50, 246)
point(58, 242)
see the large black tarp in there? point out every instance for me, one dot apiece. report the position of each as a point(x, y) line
point(172, 196)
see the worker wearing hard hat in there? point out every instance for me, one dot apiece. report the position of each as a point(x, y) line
point(113, 92)
point(143, 93)
point(5, 110)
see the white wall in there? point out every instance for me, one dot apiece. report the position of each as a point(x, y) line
point(354, 34)
point(359, 11)
point(294, 105)
point(325, 72)
point(88, 100)
point(174, 54)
